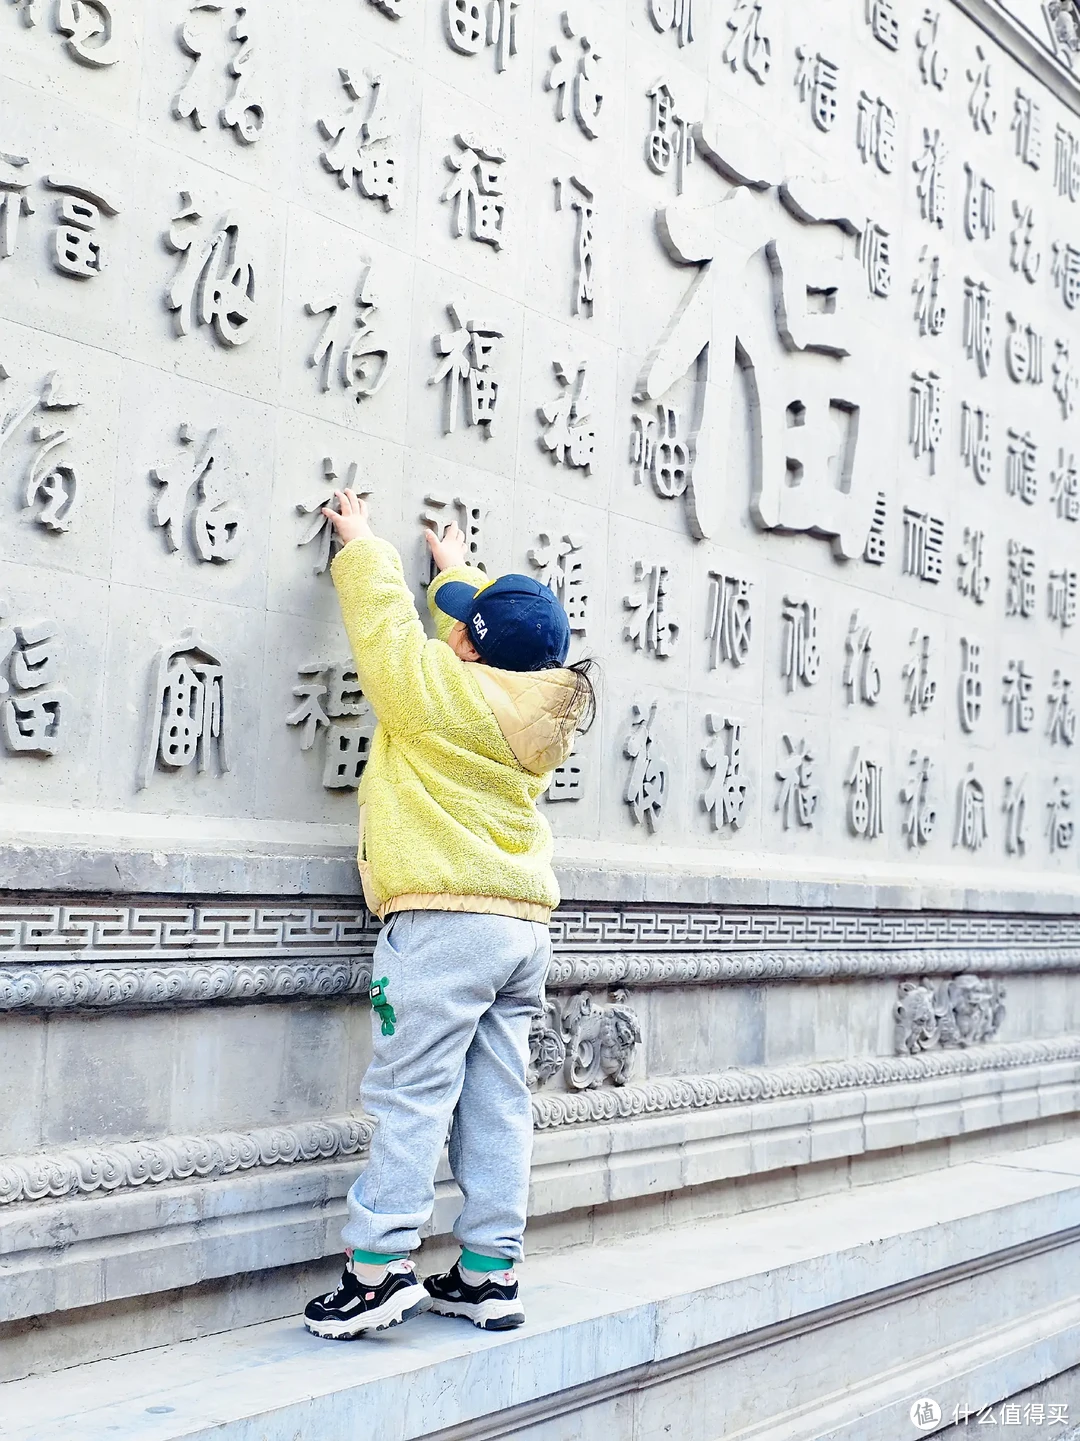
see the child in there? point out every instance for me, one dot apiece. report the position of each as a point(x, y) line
point(455, 854)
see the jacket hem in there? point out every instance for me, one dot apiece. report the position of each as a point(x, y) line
point(476, 905)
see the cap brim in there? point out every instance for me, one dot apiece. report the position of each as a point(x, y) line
point(455, 599)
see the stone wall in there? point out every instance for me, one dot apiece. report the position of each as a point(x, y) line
point(750, 331)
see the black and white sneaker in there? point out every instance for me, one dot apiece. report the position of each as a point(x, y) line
point(493, 1305)
point(355, 1308)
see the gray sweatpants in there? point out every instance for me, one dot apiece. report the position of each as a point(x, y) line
point(463, 989)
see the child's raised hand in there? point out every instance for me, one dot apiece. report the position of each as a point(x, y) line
point(450, 550)
point(352, 522)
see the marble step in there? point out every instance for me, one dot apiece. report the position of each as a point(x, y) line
point(819, 1320)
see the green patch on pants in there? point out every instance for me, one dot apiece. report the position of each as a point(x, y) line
point(382, 1006)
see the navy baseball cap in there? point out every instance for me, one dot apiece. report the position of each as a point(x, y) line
point(514, 622)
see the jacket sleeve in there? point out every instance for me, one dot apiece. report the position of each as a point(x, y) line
point(467, 573)
point(404, 676)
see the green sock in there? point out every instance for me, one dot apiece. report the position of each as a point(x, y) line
point(372, 1258)
point(473, 1261)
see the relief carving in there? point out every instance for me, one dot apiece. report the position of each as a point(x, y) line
point(561, 568)
point(798, 795)
point(569, 431)
point(359, 152)
point(217, 38)
point(467, 351)
point(330, 701)
point(51, 488)
point(351, 349)
point(574, 78)
point(648, 783)
point(188, 712)
point(216, 521)
point(601, 1041)
point(583, 201)
point(724, 797)
point(215, 283)
point(933, 1013)
point(33, 705)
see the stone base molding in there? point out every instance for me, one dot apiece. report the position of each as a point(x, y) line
point(116, 1166)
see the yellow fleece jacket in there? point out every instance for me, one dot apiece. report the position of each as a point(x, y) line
point(460, 755)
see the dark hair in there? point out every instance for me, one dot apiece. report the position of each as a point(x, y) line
point(582, 700)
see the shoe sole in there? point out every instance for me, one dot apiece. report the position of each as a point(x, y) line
point(487, 1315)
point(390, 1313)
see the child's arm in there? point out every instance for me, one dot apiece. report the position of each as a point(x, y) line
point(398, 673)
point(449, 555)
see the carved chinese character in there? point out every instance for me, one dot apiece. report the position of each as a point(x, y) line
point(1017, 688)
point(321, 531)
point(467, 352)
point(87, 26)
point(932, 66)
point(924, 545)
point(980, 208)
point(651, 627)
point(981, 105)
point(925, 429)
point(660, 449)
point(359, 152)
point(1021, 456)
point(978, 331)
point(677, 15)
point(562, 569)
point(221, 81)
point(188, 710)
point(975, 447)
point(973, 580)
point(817, 81)
point(51, 488)
point(882, 19)
point(862, 674)
point(864, 809)
point(476, 191)
point(930, 184)
point(1060, 828)
point(215, 284)
point(1061, 724)
point(1065, 487)
point(798, 796)
point(671, 138)
point(14, 203)
point(730, 620)
point(971, 827)
point(875, 133)
point(1061, 597)
point(32, 703)
point(573, 79)
point(799, 481)
point(1020, 590)
point(351, 349)
point(569, 434)
point(1026, 126)
point(920, 688)
point(747, 48)
point(724, 798)
point(876, 256)
point(1065, 379)
point(328, 694)
point(583, 201)
point(971, 686)
point(1066, 164)
point(1025, 256)
point(567, 781)
point(1015, 808)
point(441, 512)
point(874, 554)
point(76, 249)
point(926, 287)
point(802, 655)
point(1065, 272)
point(468, 32)
point(920, 816)
point(1023, 352)
point(647, 787)
point(390, 8)
point(216, 520)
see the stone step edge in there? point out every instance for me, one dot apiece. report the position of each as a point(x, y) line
point(580, 1358)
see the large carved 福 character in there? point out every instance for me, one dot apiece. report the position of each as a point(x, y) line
point(768, 296)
